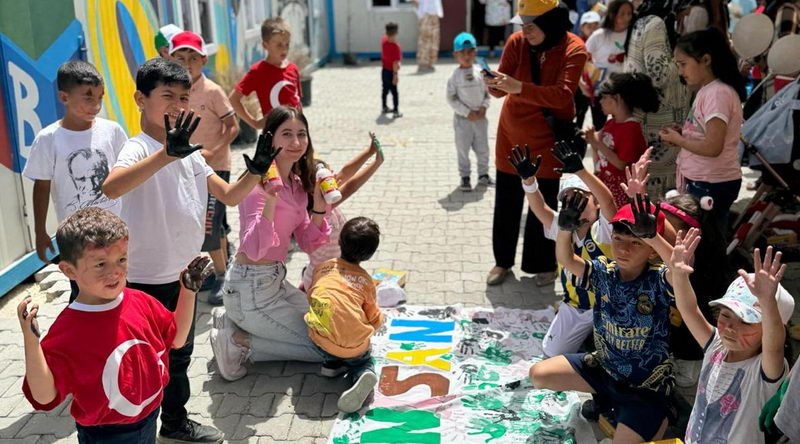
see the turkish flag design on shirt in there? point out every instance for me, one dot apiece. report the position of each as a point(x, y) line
point(274, 85)
point(113, 358)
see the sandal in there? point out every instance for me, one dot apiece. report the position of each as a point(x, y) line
point(495, 277)
point(544, 279)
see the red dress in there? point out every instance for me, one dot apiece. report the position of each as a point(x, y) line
point(626, 139)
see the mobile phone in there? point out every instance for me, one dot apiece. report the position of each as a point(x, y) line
point(485, 67)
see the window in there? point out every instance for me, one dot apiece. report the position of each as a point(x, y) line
point(198, 16)
point(254, 13)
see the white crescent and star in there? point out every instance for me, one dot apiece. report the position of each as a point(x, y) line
point(116, 400)
point(274, 100)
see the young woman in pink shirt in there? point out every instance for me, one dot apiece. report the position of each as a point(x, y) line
point(263, 315)
point(708, 163)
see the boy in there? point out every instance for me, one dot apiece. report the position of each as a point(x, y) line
point(469, 98)
point(391, 54)
point(216, 131)
point(743, 363)
point(163, 38)
point(165, 184)
point(592, 239)
point(344, 313)
point(71, 158)
point(631, 367)
point(275, 80)
point(113, 399)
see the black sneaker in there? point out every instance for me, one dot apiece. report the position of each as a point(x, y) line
point(465, 184)
point(190, 431)
point(332, 369)
point(397, 114)
point(386, 110)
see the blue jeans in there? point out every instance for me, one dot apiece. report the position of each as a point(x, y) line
point(355, 366)
point(142, 432)
point(723, 193)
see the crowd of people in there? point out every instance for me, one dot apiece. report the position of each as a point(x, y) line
point(641, 266)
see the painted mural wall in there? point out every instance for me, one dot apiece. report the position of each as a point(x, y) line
point(37, 36)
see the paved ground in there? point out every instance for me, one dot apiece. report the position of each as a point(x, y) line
point(440, 235)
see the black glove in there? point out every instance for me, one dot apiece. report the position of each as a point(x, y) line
point(199, 269)
point(178, 138)
point(569, 156)
point(645, 221)
point(264, 155)
point(522, 162)
point(569, 218)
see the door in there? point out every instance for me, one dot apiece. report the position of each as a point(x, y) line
point(453, 23)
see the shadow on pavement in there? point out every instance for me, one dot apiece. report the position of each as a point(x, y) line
point(457, 198)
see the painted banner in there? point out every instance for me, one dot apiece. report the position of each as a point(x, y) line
point(454, 374)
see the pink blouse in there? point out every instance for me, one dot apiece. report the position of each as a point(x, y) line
point(261, 238)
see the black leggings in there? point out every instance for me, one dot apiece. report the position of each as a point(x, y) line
point(388, 86)
point(538, 253)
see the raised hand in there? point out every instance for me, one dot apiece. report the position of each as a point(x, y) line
point(178, 138)
point(196, 272)
point(636, 175)
point(767, 274)
point(566, 153)
point(683, 253)
point(264, 155)
point(27, 318)
point(645, 217)
point(569, 218)
point(375, 145)
point(522, 162)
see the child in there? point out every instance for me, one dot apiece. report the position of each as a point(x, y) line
point(391, 55)
point(344, 314)
point(275, 80)
point(708, 163)
point(631, 366)
point(744, 363)
point(584, 95)
point(621, 141)
point(573, 321)
point(71, 158)
point(84, 350)
point(216, 131)
point(351, 177)
point(164, 184)
point(163, 38)
point(469, 98)
point(263, 315)
point(778, 418)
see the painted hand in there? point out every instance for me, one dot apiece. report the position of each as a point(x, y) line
point(27, 318)
point(178, 138)
point(264, 155)
point(566, 153)
point(569, 218)
point(522, 162)
point(196, 272)
point(645, 217)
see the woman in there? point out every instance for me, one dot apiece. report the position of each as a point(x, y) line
point(649, 51)
point(538, 74)
point(263, 315)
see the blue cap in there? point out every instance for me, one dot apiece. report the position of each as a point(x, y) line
point(463, 41)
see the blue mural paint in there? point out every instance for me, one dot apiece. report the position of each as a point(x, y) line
point(430, 331)
point(129, 37)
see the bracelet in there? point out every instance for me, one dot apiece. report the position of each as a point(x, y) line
point(321, 213)
point(532, 188)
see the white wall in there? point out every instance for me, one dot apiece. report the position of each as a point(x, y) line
point(359, 28)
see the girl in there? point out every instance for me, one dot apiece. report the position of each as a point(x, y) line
point(606, 47)
point(351, 178)
point(743, 364)
point(708, 162)
point(621, 141)
point(263, 315)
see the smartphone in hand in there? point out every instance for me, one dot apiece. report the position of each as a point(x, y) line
point(485, 67)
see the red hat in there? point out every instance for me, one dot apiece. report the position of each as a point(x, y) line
point(625, 215)
point(187, 39)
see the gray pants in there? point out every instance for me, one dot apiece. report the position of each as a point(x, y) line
point(259, 301)
point(473, 135)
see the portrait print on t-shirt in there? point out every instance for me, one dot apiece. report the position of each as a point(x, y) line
point(88, 169)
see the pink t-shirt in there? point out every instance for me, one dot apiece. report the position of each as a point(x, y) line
point(261, 238)
point(715, 100)
point(331, 250)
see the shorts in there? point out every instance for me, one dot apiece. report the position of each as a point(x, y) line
point(216, 219)
point(568, 331)
point(641, 410)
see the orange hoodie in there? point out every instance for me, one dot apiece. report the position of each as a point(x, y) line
point(343, 313)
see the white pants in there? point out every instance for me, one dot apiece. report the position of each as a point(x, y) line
point(475, 136)
point(569, 329)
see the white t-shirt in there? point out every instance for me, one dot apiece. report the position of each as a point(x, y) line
point(77, 163)
point(608, 52)
point(166, 215)
point(729, 399)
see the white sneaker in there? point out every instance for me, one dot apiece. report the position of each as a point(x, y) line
point(687, 372)
point(229, 355)
point(353, 399)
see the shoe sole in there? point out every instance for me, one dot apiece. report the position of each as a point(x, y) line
point(164, 440)
point(353, 399)
point(332, 373)
point(222, 373)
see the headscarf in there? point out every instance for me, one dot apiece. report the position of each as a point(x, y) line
point(554, 24)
